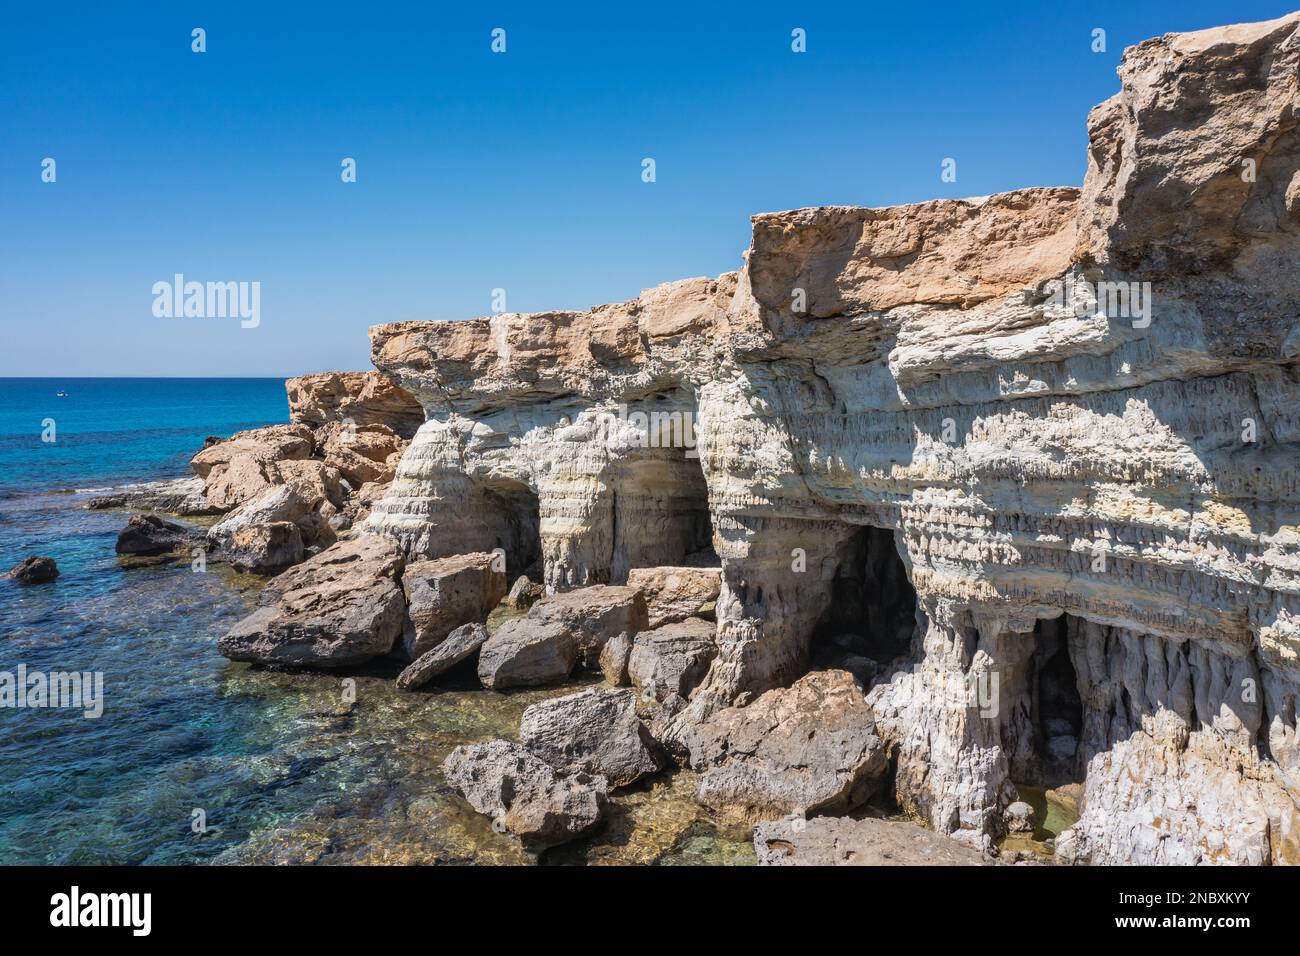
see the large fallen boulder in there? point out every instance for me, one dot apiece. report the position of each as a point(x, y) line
point(593, 731)
point(152, 535)
point(34, 570)
point(672, 659)
point(810, 748)
point(674, 594)
point(459, 645)
point(265, 548)
point(445, 593)
point(246, 478)
point(841, 841)
point(299, 502)
point(593, 615)
point(527, 653)
point(525, 795)
point(338, 608)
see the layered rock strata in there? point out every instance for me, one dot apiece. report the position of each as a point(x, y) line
point(1065, 419)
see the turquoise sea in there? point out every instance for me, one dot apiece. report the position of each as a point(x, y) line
point(277, 766)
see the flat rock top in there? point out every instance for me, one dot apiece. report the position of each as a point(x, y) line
point(436, 567)
point(840, 841)
point(356, 563)
point(692, 629)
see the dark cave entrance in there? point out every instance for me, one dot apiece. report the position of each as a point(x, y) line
point(516, 528)
point(871, 615)
point(1055, 708)
point(661, 513)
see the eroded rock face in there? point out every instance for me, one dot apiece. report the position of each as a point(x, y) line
point(442, 595)
point(593, 616)
point(594, 731)
point(525, 794)
point(363, 398)
point(341, 607)
point(810, 748)
point(988, 381)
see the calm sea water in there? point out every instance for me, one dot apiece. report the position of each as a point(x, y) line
point(281, 768)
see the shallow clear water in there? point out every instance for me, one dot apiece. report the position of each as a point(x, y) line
point(282, 767)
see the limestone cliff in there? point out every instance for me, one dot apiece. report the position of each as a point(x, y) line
point(1069, 414)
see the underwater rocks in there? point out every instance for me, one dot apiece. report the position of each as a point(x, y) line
point(459, 645)
point(842, 841)
point(445, 593)
point(34, 570)
point(593, 731)
point(341, 607)
point(811, 748)
point(524, 795)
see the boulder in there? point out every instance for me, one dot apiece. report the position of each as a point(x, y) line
point(810, 748)
point(34, 570)
point(151, 535)
point(361, 453)
point(613, 659)
point(841, 841)
point(524, 593)
point(265, 445)
point(593, 615)
point(1019, 817)
point(525, 795)
point(527, 653)
point(674, 594)
point(459, 645)
point(672, 659)
point(341, 607)
point(445, 593)
point(593, 731)
point(298, 502)
point(265, 548)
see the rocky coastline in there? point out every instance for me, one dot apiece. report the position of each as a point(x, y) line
point(920, 511)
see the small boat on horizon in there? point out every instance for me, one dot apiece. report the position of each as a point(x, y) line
point(60, 394)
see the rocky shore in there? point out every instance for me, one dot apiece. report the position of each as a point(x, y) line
point(922, 510)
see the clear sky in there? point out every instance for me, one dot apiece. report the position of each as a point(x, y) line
point(478, 171)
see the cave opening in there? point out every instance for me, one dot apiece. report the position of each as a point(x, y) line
point(516, 527)
point(870, 618)
point(661, 513)
point(1056, 707)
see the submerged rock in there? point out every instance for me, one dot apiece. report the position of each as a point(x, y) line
point(34, 570)
point(341, 607)
point(594, 731)
point(672, 659)
point(459, 645)
point(445, 593)
point(811, 748)
point(525, 795)
point(527, 653)
point(841, 841)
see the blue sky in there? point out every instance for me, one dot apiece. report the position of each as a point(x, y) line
point(478, 171)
